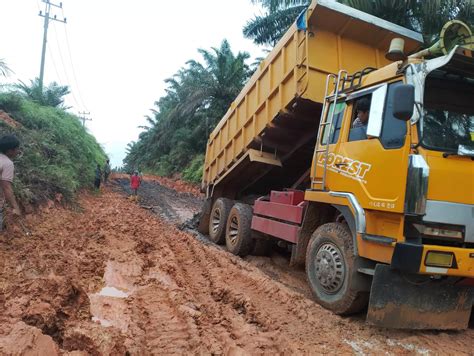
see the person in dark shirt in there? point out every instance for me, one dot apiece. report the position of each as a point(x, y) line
point(98, 177)
point(107, 170)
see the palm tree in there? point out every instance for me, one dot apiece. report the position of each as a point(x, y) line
point(423, 16)
point(426, 17)
point(197, 96)
point(209, 86)
point(267, 29)
point(4, 69)
point(52, 95)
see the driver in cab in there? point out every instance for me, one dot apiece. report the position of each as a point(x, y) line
point(359, 126)
point(363, 108)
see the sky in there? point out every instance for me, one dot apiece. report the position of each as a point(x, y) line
point(115, 54)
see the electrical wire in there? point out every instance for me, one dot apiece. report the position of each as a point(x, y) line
point(54, 63)
point(64, 67)
point(72, 65)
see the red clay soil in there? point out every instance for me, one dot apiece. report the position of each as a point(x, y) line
point(112, 278)
point(8, 120)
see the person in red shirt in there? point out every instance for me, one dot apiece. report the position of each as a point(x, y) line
point(135, 181)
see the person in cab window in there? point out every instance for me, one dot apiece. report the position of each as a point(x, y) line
point(362, 119)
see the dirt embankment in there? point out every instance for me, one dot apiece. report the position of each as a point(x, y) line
point(115, 278)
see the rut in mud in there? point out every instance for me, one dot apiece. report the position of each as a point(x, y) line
point(175, 207)
point(116, 278)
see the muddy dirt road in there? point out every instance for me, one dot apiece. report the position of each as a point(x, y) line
point(113, 278)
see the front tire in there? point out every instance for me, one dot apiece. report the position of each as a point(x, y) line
point(238, 236)
point(330, 270)
point(218, 220)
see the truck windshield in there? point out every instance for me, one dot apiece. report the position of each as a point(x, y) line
point(448, 120)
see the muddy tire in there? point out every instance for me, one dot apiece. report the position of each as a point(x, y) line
point(204, 217)
point(238, 236)
point(218, 220)
point(330, 270)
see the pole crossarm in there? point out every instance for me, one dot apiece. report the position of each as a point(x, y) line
point(84, 118)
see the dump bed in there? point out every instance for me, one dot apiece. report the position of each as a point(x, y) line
point(267, 136)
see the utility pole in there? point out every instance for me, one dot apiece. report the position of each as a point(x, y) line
point(47, 19)
point(83, 118)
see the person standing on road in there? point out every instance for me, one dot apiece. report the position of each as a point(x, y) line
point(135, 182)
point(9, 149)
point(106, 171)
point(98, 177)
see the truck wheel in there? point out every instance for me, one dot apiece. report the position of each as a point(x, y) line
point(218, 219)
point(204, 217)
point(238, 237)
point(330, 270)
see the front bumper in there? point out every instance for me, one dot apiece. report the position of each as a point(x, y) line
point(411, 258)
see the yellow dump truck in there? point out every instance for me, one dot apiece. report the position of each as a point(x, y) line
point(360, 165)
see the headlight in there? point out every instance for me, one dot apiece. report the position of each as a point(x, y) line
point(439, 259)
point(439, 231)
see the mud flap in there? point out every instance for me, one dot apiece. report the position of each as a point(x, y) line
point(204, 216)
point(402, 301)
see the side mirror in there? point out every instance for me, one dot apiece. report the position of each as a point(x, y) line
point(403, 101)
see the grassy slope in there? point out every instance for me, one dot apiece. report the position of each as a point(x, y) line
point(59, 156)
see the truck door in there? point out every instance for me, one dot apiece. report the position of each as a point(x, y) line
point(371, 162)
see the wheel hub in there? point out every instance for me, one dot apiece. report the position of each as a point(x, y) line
point(330, 268)
point(216, 219)
point(233, 230)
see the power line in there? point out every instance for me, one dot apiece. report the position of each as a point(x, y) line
point(47, 19)
point(64, 67)
point(54, 63)
point(72, 66)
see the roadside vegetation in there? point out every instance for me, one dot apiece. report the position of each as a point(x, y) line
point(198, 95)
point(59, 155)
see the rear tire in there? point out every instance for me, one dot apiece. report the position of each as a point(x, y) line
point(238, 236)
point(330, 270)
point(218, 220)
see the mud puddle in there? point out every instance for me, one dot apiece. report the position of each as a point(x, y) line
point(109, 306)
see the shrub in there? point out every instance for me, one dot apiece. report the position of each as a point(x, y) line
point(193, 172)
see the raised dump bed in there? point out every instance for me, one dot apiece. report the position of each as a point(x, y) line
point(266, 138)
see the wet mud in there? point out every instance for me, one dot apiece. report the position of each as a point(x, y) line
point(116, 278)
